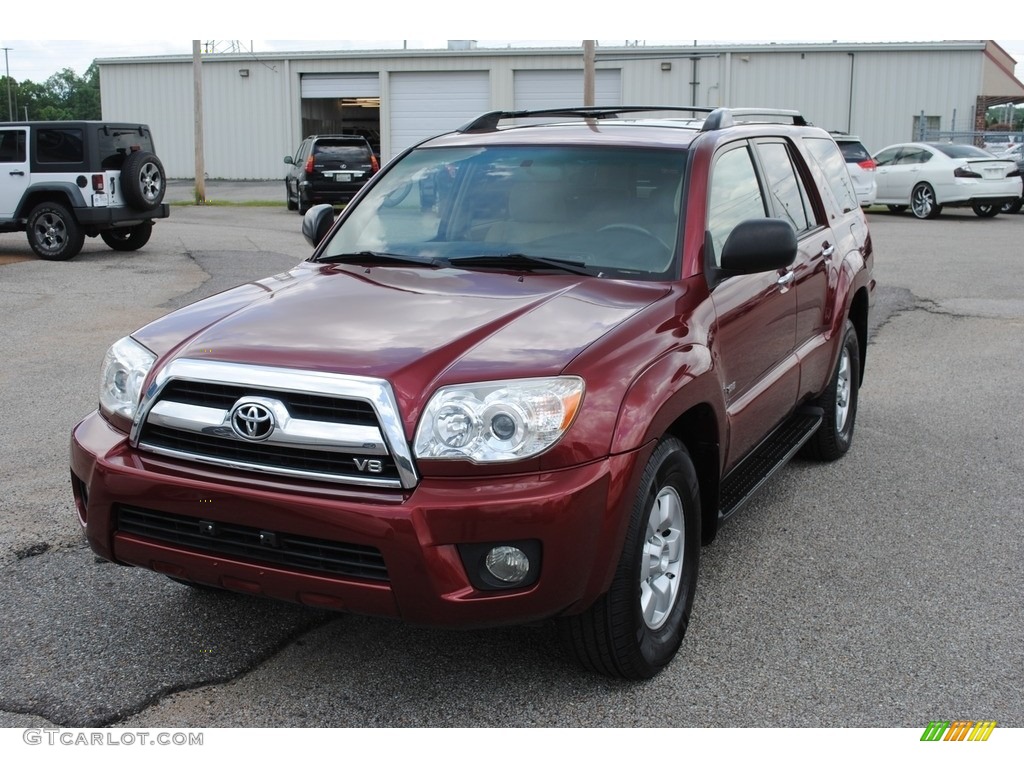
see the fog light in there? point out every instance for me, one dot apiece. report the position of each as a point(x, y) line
point(508, 564)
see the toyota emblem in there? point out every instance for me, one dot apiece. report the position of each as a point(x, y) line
point(252, 421)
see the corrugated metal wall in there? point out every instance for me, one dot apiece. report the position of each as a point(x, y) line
point(253, 121)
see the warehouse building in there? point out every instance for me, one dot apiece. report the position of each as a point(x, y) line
point(257, 107)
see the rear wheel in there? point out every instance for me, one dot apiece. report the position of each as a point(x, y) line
point(635, 629)
point(922, 202)
point(985, 210)
point(128, 238)
point(289, 203)
point(839, 402)
point(54, 233)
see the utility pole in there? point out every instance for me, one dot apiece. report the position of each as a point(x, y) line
point(588, 73)
point(197, 90)
point(10, 109)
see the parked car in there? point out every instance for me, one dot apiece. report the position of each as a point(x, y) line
point(926, 177)
point(861, 166)
point(1016, 154)
point(328, 169)
point(534, 398)
point(63, 181)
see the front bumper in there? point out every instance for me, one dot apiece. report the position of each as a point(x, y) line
point(576, 519)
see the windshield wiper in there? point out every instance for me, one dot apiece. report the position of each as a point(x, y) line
point(368, 257)
point(524, 261)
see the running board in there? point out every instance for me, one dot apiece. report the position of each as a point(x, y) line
point(768, 458)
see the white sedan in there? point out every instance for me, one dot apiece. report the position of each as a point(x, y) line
point(926, 177)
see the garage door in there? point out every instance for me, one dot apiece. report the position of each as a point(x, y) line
point(424, 104)
point(340, 86)
point(550, 89)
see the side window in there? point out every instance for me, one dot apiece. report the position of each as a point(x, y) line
point(59, 145)
point(735, 196)
point(830, 162)
point(914, 156)
point(887, 157)
point(12, 146)
point(785, 189)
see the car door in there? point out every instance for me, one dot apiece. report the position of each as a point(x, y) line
point(794, 200)
point(754, 332)
point(904, 174)
point(14, 173)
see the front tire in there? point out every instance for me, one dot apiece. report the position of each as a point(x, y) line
point(635, 629)
point(1013, 207)
point(128, 238)
point(839, 402)
point(923, 204)
point(54, 233)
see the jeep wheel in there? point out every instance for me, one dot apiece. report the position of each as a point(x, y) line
point(839, 402)
point(142, 181)
point(985, 210)
point(923, 204)
point(53, 232)
point(128, 238)
point(635, 628)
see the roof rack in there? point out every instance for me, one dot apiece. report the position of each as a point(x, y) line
point(717, 117)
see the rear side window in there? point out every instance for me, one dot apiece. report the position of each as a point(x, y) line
point(59, 145)
point(12, 146)
point(785, 189)
point(831, 165)
point(854, 151)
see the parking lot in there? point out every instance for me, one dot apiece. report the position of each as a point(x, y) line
point(880, 591)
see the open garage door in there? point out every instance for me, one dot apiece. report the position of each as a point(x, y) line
point(334, 103)
point(424, 104)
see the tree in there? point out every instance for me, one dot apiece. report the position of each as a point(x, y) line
point(63, 96)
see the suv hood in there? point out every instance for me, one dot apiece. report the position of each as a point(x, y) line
point(417, 328)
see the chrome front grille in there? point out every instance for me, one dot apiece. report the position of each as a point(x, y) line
point(318, 426)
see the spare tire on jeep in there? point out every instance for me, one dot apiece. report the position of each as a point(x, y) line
point(142, 181)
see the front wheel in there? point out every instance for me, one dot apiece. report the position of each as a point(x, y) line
point(923, 204)
point(128, 238)
point(985, 210)
point(1013, 207)
point(635, 629)
point(839, 402)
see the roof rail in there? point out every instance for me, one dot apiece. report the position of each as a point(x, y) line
point(717, 117)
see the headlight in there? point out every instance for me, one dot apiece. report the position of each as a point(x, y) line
point(124, 368)
point(498, 420)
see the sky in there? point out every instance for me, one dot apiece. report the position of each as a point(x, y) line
point(71, 39)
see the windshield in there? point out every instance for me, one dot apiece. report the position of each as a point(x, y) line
point(613, 210)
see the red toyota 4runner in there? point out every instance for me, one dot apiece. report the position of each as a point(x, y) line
point(529, 371)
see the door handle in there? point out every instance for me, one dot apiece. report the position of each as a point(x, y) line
point(17, 173)
point(785, 279)
point(827, 249)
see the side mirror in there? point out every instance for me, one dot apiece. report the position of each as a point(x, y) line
point(759, 245)
point(317, 223)
point(288, 160)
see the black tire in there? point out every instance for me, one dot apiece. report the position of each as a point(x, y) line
point(985, 210)
point(304, 205)
point(291, 204)
point(143, 181)
point(1013, 207)
point(923, 203)
point(54, 233)
point(897, 208)
point(839, 402)
point(634, 630)
point(128, 238)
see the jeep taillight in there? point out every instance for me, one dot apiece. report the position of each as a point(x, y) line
point(309, 164)
point(97, 182)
